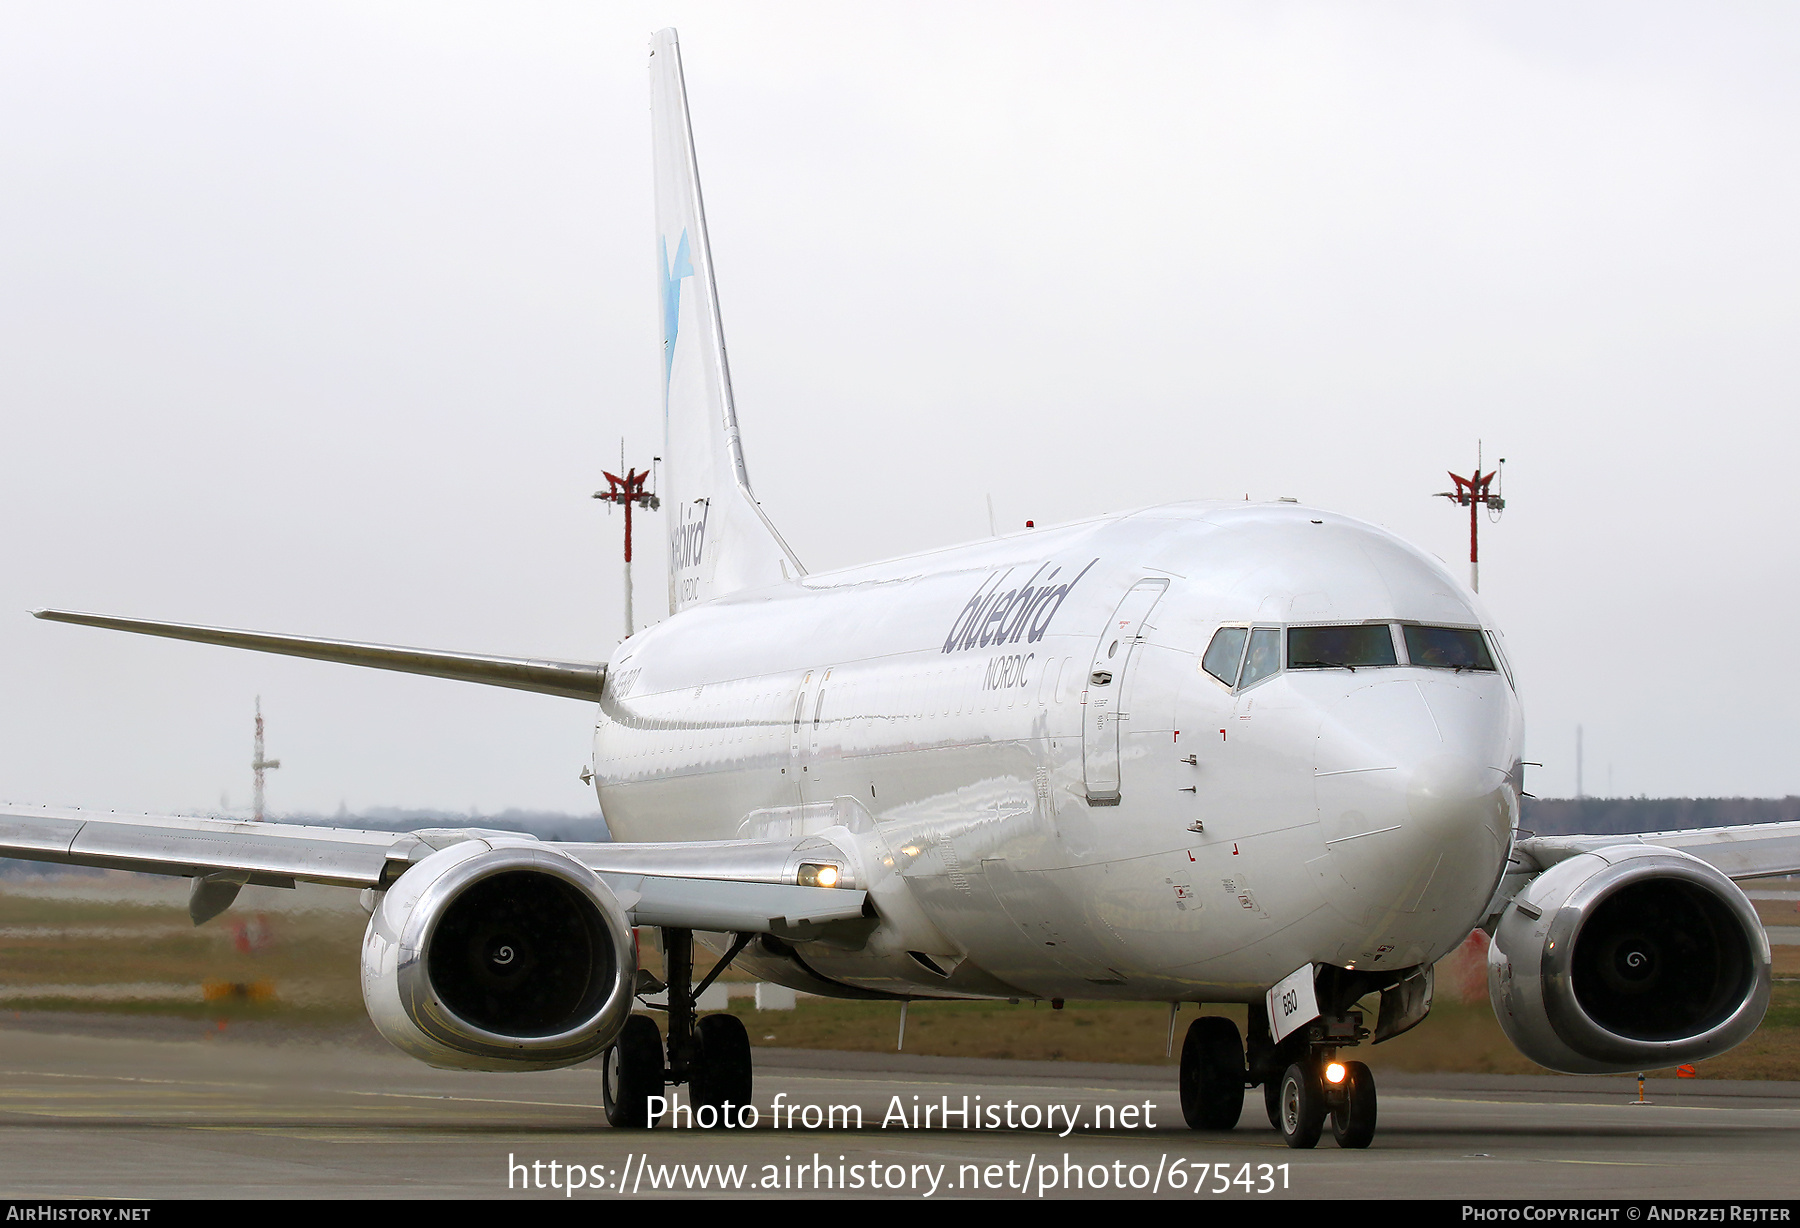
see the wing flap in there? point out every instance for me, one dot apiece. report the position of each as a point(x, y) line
point(732, 907)
point(751, 861)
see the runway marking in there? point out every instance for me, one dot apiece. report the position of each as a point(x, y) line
point(1582, 1104)
point(118, 1078)
point(570, 1104)
point(541, 1104)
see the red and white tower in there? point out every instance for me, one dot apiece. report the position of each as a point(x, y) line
point(628, 492)
point(1472, 493)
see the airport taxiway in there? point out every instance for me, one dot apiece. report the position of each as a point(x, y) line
point(166, 1111)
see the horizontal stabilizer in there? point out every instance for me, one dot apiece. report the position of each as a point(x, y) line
point(570, 679)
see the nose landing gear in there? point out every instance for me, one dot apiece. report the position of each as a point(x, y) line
point(1313, 1090)
point(711, 1054)
point(1305, 1084)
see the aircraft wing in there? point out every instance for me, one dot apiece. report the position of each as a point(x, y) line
point(1760, 850)
point(570, 679)
point(732, 885)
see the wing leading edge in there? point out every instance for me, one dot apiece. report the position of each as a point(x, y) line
point(1761, 850)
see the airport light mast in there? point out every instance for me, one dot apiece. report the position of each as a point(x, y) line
point(260, 764)
point(628, 492)
point(1472, 493)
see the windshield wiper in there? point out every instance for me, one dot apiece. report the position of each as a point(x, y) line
point(1322, 665)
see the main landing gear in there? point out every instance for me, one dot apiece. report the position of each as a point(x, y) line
point(711, 1054)
point(1304, 1082)
point(1212, 1074)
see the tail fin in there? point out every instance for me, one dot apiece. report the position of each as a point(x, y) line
point(719, 539)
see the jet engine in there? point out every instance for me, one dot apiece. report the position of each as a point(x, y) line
point(499, 955)
point(1628, 959)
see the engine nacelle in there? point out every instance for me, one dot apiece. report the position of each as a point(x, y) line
point(496, 955)
point(1628, 959)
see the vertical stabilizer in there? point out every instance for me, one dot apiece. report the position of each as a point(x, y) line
point(719, 539)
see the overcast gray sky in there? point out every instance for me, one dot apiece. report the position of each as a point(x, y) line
point(325, 318)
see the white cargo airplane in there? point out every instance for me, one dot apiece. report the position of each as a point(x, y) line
point(1213, 752)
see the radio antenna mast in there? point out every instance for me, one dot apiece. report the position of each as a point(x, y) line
point(259, 764)
point(1472, 492)
point(628, 492)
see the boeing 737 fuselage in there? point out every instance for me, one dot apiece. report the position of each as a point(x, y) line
point(1047, 792)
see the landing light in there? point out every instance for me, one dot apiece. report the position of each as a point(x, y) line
point(1334, 1072)
point(818, 876)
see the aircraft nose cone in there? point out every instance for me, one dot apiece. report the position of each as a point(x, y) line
point(1414, 805)
point(1446, 792)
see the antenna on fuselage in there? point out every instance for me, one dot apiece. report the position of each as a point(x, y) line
point(1472, 493)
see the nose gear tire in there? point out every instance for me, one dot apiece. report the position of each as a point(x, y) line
point(1353, 1118)
point(1303, 1106)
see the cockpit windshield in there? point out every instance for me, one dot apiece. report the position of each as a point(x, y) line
point(1240, 657)
point(1264, 657)
point(1224, 654)
point(1340, 647)
point(1455, 648)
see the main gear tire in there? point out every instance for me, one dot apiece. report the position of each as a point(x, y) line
point(632, 1072)
point(1212, 1074)
point(723, 1073)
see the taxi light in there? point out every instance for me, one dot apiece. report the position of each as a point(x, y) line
point(818, 875)
point(1334, 1072)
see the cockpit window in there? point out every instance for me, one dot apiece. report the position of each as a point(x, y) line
point(1447, 648)
point(1224, 653)
point(1340, 647)
point(1264, 657)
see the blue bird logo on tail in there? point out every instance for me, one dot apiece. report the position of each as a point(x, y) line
point(671, 299)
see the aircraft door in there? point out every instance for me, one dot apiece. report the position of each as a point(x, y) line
point(1103, 708)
